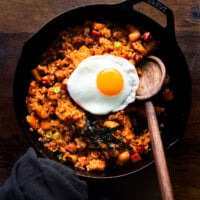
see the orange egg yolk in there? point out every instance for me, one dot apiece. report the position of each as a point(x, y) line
point(110, 82)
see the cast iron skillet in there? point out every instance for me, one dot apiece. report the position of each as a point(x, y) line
point(170, 53)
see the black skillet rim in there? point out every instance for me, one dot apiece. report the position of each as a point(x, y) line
point(126, 3)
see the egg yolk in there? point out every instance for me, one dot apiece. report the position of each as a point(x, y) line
point(110, 82)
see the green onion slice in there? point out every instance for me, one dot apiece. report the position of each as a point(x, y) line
point(56, 89)
point(48, 134)
point(60, 157)
point(72, 127)
point(117, 44)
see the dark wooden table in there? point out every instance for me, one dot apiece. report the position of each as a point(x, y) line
point(19, 19)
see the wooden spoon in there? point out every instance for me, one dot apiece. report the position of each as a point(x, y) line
point(151, 80)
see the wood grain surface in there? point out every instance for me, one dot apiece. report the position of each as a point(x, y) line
point(20, 18)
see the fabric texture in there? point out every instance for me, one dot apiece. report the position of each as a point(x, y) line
point(35, 178)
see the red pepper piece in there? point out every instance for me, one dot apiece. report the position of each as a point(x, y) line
point(136, 157)
point(95, 34)
point(140, 149)
point(126, 56)
point(167, 95)
point(71, 147)
point(146, 36)
point(64, 83)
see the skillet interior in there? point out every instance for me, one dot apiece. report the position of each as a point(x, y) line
point(177, 111)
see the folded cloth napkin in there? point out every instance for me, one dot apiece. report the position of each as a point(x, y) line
point(35, 178)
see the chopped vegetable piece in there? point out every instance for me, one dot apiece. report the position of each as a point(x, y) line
point(136, 157)
point(98, 26)
point(117, 44)
point(45, 124)
point(140, 149)
point(110, 124)
point(96, 164)
point(46, 80)
point(146, 36)
point(134, 36)
point(132, 62)
point(126, 56)
point(80, 144)
point(83, 48)
point(123, 158)
point(65, 83)
point(167, 95)
point(48, 134)
point(159, 110)
point(139, 47)
point(73, 158)
point(167, 80)
point(71, 147)
point(33, 121)
point(56, 135)
point(106, 32)
point(95, 34)
point(139, 71)
point(60, 157)
point(56, 89)
point(40, 111)
point(60, 75)
point(73, 128)
point(36, 75)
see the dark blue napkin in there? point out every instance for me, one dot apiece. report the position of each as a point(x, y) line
point(35, 178)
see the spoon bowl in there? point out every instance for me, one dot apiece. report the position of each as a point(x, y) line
point(151, 79)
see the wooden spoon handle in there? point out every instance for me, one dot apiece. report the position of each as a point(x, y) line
point(158, 152)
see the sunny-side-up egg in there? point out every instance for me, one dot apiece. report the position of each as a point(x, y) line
point(104, 83)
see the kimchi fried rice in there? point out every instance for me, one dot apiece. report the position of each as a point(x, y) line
point(88, 141)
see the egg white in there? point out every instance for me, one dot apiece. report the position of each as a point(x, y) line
point(83, 89)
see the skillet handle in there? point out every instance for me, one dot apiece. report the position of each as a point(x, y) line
point(161, 7)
